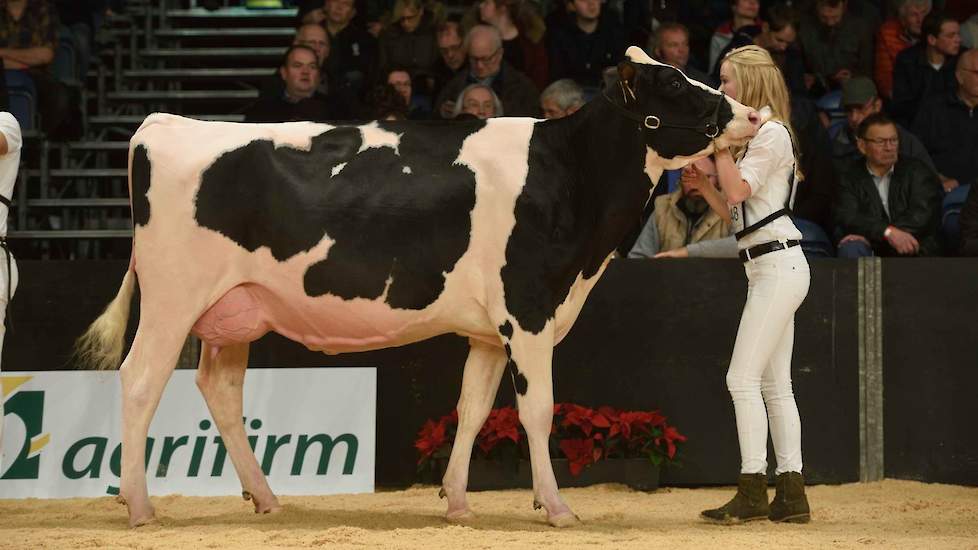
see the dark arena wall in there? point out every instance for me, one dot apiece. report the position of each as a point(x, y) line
point(885, 363)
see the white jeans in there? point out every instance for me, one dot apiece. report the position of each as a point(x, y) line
point(760, 369)
point(4, 281)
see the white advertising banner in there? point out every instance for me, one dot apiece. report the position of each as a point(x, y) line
point(313, 431)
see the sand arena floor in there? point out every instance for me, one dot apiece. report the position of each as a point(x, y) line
point(890, 514)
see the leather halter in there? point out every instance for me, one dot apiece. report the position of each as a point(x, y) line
point(653, 122)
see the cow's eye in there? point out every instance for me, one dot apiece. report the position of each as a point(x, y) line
point(676, 84)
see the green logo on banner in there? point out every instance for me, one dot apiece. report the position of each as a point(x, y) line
point(29, 407)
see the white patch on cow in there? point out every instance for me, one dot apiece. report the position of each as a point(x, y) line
point(338, 168)
point(374, 136)
point(406, 170)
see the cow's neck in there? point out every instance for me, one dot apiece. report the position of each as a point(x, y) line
point(615, 178)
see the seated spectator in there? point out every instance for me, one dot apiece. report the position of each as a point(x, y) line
point(27, 42)
point(385, 102)
point(313, 36)
point(948, 126)
point(353, 50)
point(451, 56)
point(926, 68)
point(562, 98)
point(670, 44)
point(836, 45)
point(811, 211)
point(969, 32)
point(479, 101)
point(969, 224)
point(487, 66)
point(299, 101)
point(584, 45)
point(641, 17)
point(409, 42)
point(522, 30)
point(887, 205)
point(860, 100)
point(778, 35)
point(418, 107)
point(682, 217)
point(896, 35)
point(745, 12)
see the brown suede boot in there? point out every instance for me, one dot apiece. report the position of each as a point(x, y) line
point(749, 504)
point(790, 503)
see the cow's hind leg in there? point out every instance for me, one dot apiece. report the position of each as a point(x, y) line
point(220, 377)
point(480, 380)
point(144, 375)
point(530, 365)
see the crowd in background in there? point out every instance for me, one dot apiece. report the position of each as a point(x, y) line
point(883, 92)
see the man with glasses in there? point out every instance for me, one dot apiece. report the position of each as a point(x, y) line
point(451, 55)
point(887, 205)
point(860, 99)
point(484, 45)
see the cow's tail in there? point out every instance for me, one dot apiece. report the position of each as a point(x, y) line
point(100, 348)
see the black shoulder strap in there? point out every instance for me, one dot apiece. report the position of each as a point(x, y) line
point(5, 201)
point(786, 211)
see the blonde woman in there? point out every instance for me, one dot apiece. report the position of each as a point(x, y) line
point(758, 187)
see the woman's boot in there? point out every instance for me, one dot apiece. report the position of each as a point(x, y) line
point(749, 504)
point(790, 503)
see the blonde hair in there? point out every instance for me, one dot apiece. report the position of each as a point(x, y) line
point(761, 84)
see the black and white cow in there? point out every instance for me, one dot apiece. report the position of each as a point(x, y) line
point(349, 238)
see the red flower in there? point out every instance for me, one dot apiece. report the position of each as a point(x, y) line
point(430, 438)
point(584, 418)
point(670, 435)
point(502, 424)
point(580, 453)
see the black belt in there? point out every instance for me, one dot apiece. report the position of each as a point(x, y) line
point(756, 252)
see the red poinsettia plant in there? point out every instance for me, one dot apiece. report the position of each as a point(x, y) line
point(580, 434)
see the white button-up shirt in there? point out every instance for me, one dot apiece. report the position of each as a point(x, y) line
point(883, 186)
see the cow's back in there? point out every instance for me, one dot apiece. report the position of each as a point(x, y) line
point(391, 231)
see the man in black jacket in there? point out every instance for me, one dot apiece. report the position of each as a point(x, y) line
point(584, 44)
point(484, 45)
point(887, 205)
point(299, 99)
point(926, 68)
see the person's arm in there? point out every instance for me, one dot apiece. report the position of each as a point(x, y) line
point(4, 148)
point(735, 189)
point(924, 211)
point(714, 248)
point(713, 197)
point(850, 217)
point(647, 244)
point(10, 136)
point(28, 57)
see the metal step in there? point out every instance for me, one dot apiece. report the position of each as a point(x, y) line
point(72, 234)
point(233, 13)
point(58, 203)
point(224, 53)
point(226, 33)
point(199, 74)
point(98, 145)
point(182, 95)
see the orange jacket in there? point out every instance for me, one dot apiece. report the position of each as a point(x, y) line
point(890, 40)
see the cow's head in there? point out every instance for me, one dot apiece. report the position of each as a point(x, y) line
point(681, 118)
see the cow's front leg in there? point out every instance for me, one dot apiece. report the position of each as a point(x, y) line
point(220, 378)
point(530, 365)
point(480, 380)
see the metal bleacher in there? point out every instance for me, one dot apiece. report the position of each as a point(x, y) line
point(71, 200)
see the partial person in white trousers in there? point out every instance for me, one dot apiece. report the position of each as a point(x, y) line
point(758, 188)
point(10, 142)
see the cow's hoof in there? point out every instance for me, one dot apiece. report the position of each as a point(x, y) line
point(460, 516)
point(536, 504)
point(143, 521)
point(567, 519)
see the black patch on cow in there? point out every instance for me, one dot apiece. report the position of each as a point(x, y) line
point(141, 172)
point(506, 329)
point(509, 350)
point(403, 217)
point(519, 381)
point(586, 188)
